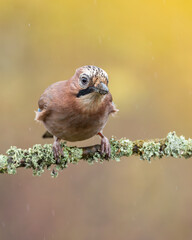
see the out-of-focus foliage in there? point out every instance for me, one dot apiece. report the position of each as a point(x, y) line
point(145, 46)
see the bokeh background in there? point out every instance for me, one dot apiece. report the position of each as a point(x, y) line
point(146, 48)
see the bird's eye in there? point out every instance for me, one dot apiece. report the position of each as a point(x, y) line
point(84, 80)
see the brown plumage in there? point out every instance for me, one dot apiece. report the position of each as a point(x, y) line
point(78, 108)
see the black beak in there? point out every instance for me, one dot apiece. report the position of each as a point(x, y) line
point(102, 88)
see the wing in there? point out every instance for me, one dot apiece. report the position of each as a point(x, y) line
point(112, 107)
point(50, 100)
point(43, 111)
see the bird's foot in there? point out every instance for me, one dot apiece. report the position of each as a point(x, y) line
point(57, 150)
point(105, 146)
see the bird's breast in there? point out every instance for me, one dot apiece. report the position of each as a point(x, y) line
point(72, 125)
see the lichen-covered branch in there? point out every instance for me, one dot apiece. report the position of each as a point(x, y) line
point(41, 157)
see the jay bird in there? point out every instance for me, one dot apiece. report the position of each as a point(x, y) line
point(77, 109)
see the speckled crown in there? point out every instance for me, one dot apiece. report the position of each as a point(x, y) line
point(96, 71)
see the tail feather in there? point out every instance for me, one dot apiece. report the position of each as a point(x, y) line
point(47, 135)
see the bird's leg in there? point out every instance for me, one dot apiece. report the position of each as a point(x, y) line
point(105, 145)
point(57, 149)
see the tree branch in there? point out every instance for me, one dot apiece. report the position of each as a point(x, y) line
point(41, 157)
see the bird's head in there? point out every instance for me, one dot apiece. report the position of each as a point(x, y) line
point(91, 81)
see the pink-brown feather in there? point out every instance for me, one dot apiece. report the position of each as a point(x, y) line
point(71, 118)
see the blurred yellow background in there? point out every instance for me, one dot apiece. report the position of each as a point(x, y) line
point(146, 49)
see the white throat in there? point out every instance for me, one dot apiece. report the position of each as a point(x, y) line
point(91, 102)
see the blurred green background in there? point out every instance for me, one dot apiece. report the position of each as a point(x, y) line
point(146, 49)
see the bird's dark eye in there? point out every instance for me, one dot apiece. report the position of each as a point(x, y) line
point(84, 80)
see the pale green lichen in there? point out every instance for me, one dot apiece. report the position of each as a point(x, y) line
point(120, 148)
point(178, 146)
point(41, 157)
point(3, 163)
point(150, 149)
point(70, 155)
point(15, 155)
point(96, 158)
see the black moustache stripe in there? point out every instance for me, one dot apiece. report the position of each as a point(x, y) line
point(86, 91)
